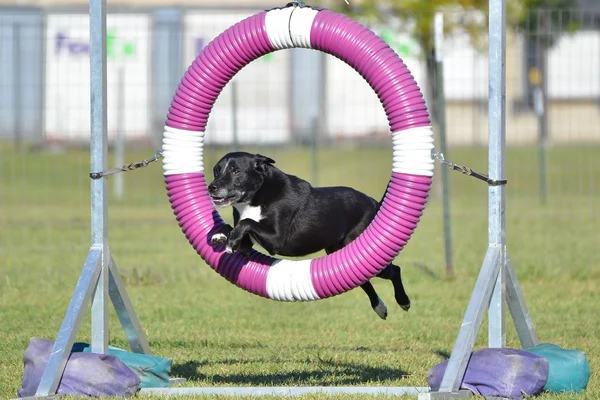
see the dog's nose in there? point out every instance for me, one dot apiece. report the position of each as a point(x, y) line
point(212, 188)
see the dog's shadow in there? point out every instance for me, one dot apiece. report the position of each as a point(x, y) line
point(326, 373)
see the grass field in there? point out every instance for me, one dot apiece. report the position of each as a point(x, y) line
point(218, 335)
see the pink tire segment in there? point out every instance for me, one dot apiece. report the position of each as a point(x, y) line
point(213, 68)
point(201, 222)
point(375, 61)
point(190, 108)
point(406, 194)
point(376, 247)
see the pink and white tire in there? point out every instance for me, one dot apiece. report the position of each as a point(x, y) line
point(412, 138)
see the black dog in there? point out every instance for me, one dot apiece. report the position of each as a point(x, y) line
point(287, 216)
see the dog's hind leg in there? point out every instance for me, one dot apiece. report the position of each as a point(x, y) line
point(392, 272)
point(376, 302)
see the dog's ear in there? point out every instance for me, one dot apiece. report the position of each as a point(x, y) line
point(261, 162)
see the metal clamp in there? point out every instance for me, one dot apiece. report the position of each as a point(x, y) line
point(298, 4)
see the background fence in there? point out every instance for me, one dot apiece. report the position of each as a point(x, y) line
point(45, 76)
point(285, 104)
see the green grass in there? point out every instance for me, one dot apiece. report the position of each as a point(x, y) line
point(219, 335)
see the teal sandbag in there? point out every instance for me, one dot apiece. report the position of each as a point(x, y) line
point(569, 369)
point(153, 371)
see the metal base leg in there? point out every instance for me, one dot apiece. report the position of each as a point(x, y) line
point(88, 286)
point(518, 308)
point(70, 326)
point(131, 326)
point(496, 260)
point(472, 321)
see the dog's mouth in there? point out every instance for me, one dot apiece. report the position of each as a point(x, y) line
point(222, 201)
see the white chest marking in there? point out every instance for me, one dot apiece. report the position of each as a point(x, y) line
point(249, 212)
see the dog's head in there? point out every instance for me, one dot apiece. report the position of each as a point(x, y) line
point(237, 177)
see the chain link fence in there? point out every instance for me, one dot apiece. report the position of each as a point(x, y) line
point(316, 116)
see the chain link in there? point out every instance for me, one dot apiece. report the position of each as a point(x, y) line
point(127, 167)
point(468, 171)
point(436, 155)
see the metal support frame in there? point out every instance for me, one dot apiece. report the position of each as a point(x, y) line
point(99, 279)
point(497, 284)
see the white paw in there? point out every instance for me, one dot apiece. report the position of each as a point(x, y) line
point(218, 238)
point(381, 309)
point(228, 249)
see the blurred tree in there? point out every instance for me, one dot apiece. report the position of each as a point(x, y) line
point(538, 15)
point(417, 15)
point(416, 18)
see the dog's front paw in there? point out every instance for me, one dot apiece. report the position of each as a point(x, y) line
point(245, 249)
point(218, 238)
point(238, 241)
point(233, 244)
point(235, 248)
point(221, 235)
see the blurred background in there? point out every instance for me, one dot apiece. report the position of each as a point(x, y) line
point(311, 112)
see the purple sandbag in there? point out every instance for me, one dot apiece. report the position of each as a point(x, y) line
point(503, 372)
point(86, 374)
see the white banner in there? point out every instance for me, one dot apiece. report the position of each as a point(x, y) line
point(574, 65)
point(67, 105)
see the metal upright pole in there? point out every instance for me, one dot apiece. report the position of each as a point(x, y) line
point(99, 156)
point(314, 160)
point(120, 139)
point(109, 286)
point(496, 166)
point(234, 116)
point(441, 118)
point(17, 85)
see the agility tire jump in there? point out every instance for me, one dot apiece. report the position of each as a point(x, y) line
point(412, 171)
